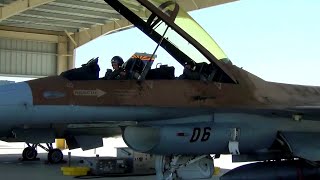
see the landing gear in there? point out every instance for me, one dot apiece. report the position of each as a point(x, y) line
point(54, 155)
point(29, 153)
point(184, 167)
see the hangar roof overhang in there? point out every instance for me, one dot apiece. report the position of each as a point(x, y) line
point(38, 37)
point(91, 18)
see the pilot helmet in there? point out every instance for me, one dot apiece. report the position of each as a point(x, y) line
point(118, 60)
point(191, 63)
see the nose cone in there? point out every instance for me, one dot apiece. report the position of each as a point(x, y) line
point(15, 94)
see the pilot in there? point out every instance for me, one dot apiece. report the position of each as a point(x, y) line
point(118, 72)
point(189, 72)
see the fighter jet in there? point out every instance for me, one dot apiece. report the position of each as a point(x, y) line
point(214, 108)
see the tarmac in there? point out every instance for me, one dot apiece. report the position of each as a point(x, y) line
point(13, 168)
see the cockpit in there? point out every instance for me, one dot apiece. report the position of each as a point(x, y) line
point(172, 28)
point(166, 23)
point(135, 67)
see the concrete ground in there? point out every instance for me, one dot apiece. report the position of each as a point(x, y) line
point(14, 169)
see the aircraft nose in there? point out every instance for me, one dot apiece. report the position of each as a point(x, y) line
point(15, 94)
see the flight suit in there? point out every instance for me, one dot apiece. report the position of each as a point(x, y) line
point(115, 75)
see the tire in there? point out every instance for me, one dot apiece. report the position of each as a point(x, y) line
point(55, 156)
point(29, 153)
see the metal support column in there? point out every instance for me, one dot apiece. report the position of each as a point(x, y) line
point(62, 60)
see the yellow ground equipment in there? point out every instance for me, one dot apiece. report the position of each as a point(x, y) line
point(61, 144)
point(75, 171)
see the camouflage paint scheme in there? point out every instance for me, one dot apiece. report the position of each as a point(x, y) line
point(250, 92)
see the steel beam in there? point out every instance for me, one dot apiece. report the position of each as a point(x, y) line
point(62, 60)
point(19, 6)
point(50, 27)
point(78, 12)
point(72, 54)
point(28, 36)
point(93, 6)
point(71, 38)
point(30, 30)
point(49, 22)
point(63, 17)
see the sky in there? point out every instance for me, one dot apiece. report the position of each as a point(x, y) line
point(277, 40)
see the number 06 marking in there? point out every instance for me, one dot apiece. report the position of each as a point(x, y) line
point(197, 132)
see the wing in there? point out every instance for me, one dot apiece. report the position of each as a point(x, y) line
point(305, 145)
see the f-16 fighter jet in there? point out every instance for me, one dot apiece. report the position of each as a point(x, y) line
point(214, 108)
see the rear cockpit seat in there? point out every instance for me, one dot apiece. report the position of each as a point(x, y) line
point(133, 68)
point(163, 72)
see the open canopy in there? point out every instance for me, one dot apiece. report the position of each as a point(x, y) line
point(166, 22)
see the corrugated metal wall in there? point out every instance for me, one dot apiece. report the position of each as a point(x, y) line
point(25, 57)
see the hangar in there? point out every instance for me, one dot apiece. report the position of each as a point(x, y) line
point(38, 37)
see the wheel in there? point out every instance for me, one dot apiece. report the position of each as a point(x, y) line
point(55, 156)
point(29, 153)
point(162, 168)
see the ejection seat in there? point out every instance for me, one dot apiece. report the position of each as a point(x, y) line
point(162, 72)
point(133, 68)
point(88, 71)
point(206, 71)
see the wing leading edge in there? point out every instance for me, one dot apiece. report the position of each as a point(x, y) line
point(305, 145)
